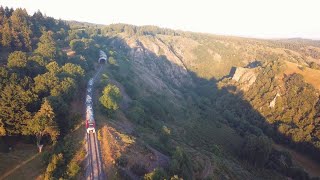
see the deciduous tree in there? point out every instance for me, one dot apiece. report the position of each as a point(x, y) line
point(17, 59)
point(110, 97)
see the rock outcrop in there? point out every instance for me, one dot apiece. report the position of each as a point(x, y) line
point(245, 76)
point(273, 102)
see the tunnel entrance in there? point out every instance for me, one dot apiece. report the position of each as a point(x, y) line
point(102, 61)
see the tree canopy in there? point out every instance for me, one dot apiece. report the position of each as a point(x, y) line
point(110, 97)
point(43, 123)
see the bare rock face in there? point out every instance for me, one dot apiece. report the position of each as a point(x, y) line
point(245, 76)
point(157, 62)
point(273, 102)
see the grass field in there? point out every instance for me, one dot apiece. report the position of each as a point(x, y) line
point(23, 161)
point(311, 76)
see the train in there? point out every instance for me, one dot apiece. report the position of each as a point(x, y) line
point(90, 122)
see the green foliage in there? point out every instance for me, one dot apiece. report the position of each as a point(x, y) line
point(53, 67)
point(31, 76)
point(156, 174)
point(73, 169)
point(181, 164)
point(47, 46)
point(257, 150)
point(17, 59)
point(136, 112)
point(6, 34)
point(73, 70)
point(13, 109)
point(112, 61)
point(21, 29)
point(52, 170)
point(43, 123)
point(77, 45)
point(110, 97)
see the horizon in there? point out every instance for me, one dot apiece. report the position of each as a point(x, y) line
point(248, 18)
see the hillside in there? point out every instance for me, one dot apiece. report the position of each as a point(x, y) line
point(168, 103)
point(181, 81)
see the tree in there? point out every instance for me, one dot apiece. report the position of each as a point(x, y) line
point(1, 14)
point(56, 162)
point(43, 124)
point(6, 38)
point(73, 70)
point(257, 150)
point(77, 45)
point(47, 45)
point(44, 83)
point(156, 174)
point(4, 76)
point(110, 97)
point(21, 30)
point(13, 109)
point(181, 164)
point(53, 67)
point(17, 59)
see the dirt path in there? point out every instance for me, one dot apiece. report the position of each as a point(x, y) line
point(18, 166)
point(311, 166)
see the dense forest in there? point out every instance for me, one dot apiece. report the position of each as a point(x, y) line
point(38, 81)
point(214, 105)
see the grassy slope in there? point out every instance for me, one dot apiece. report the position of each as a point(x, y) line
point(311, 76)
point(23, 161)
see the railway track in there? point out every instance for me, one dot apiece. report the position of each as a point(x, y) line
point(94, 166)
point(94, 157)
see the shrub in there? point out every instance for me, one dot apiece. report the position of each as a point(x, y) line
point(73, 169)
point(139, 169)
point(181, 164)
point(53, 167)
point(257, 150)
point(122, 161)
point(156, 174)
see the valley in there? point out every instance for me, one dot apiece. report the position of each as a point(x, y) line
point(168, 104)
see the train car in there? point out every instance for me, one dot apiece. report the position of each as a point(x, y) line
point(88, 100)
point(91, 82)
point(89, 113)
point(90, 125)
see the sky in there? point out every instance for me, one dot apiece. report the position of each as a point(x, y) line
point(249, 18)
